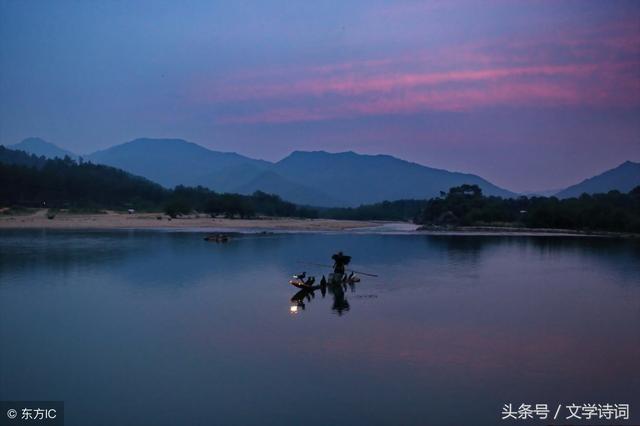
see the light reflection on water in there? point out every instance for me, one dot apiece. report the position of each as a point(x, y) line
point(173, 330)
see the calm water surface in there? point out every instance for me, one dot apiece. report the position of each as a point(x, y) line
point(140, 327)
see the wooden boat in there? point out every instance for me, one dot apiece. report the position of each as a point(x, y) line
point(299, 282)
point(217, 238)
point(334, 280)
point(302, 285)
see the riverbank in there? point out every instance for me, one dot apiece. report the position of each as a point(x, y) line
point(513, 230)
point(37, 219)
point(117, 220)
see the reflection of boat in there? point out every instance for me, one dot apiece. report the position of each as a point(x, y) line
point(297, 301)
point(338, 278)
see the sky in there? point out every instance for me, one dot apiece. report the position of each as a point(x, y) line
point(531, 95)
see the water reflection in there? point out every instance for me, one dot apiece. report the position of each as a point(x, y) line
point(336, 285)
point(339, 305)
point(174, 330)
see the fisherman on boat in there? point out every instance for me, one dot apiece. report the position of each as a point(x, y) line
point(335, 284)
point(340, 261)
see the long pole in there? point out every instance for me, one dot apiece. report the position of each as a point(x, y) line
point(329, 266)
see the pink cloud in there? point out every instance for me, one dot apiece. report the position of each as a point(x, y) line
point(596, 68)
point(497, 88)
point(353, 85)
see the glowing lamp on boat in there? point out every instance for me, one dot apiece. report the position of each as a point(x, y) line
point(293, 309)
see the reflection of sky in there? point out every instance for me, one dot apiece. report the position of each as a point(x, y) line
point(167, 325)
point(550, 91)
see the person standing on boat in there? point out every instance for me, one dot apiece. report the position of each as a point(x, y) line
point(340, 261)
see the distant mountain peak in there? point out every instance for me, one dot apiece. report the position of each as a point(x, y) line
point(341, 155)
point(40, 147)
point(35, 140)
point(622, 178)
point(158, 142)
point(167, 144)
point(365, 178)
point(326, 153)
point(171, 161)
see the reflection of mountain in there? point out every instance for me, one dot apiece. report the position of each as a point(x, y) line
point(180, 313)
point(139, 259)
point(53, 251)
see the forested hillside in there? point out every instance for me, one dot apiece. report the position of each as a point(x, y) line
point(466, 205)
point(31, 181)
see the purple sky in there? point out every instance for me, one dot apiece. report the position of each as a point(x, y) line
point(530, 95)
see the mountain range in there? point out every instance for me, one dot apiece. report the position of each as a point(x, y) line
point(315, 178)
point(309, 178)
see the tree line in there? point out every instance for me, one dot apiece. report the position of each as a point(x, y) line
point(184, 200)
point(32, 181)
point(466, 206)
point(400, 210)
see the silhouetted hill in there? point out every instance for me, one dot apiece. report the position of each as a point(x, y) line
point(41, 147)
point(28, 180)
point(623, 178)
point(20, 158)
point(309, 178)
point(171, 162)
point(355, 179)
point(467, 206)
point(271, 182)
point(231, 178)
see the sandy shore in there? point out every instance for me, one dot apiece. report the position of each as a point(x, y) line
point(508, 230)
point(118, 220)
point(114, 220)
